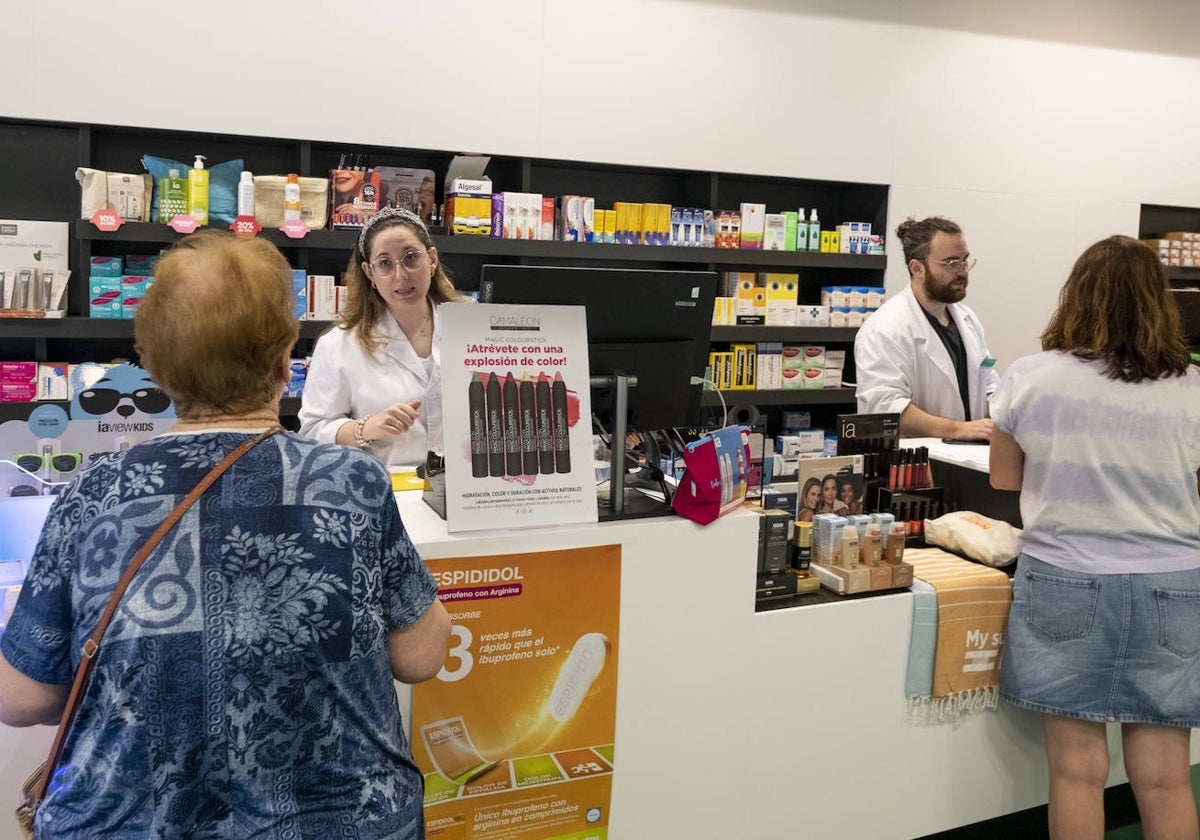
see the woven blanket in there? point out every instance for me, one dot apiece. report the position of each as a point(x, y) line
point(972, 604)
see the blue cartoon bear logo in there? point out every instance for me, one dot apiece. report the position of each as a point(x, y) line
point(125, 391)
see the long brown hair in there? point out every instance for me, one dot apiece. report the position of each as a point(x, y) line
point(365, 307)
point(1116, 306)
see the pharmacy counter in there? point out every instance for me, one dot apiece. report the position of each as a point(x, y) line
point(732, 723)
point(787, 723)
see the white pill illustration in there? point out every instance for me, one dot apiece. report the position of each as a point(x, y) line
point(583, 665)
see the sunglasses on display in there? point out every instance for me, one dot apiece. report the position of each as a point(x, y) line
point(62, 462)
point(29, 490)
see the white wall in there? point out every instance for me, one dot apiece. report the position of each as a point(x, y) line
point(1040, 127)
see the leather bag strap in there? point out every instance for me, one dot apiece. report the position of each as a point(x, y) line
point(92, 646)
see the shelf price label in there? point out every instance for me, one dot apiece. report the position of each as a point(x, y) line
point(295, 229)
point(183, 223)
point(245, 227)
point(107, 220)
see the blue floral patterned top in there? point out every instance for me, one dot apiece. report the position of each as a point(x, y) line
point(243, 688)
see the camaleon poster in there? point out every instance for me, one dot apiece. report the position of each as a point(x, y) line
point(515, 736)
point(517, 405)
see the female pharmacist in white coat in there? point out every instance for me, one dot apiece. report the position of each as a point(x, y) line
point(374, 380)
point(903, 351)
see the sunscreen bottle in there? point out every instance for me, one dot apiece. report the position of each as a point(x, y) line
point(172, 196)
point(246, 195)
point(814, 232)
point(198, 191)
point(291, 198)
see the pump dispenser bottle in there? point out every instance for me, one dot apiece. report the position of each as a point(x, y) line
point(814, 232)
point(198, 191)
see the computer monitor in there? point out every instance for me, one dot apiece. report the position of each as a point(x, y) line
point(653, 325)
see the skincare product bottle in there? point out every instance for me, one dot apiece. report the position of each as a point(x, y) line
point(814, 232)
point(172, 196)
point(21, 293)
point(850, 546)
point(291, 198)
point(246, 194)
point(4, 294)
point(47, 290)
point(801, 231)
point(198, 191)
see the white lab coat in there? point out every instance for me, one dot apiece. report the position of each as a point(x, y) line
point(900, 359)
point(345, 382)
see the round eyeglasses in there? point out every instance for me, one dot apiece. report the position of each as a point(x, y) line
point(386, 266)
point(954, 263)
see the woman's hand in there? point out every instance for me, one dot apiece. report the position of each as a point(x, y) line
point(393, 421)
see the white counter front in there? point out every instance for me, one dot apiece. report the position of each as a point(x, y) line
point(788, 723)
point(732, 723)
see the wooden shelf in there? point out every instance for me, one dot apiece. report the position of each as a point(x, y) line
point(808, 334)
point(791, 396)
point(343, 240)
point(82, 328)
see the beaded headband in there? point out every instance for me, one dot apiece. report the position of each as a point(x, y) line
point(389, 212)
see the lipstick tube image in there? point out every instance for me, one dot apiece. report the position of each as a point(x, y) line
point(544, 426)
point(477, 411)
point(512, 427)
point(562, 427)
point(495, 426)
point(529, 453)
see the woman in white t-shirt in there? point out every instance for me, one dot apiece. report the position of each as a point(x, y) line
point(1101, 434)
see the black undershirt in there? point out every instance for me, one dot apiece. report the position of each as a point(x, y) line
point(958, 354)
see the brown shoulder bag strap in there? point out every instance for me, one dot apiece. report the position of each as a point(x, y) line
point(92, 646)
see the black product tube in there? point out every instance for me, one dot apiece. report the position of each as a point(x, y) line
point(512, 427)
point(545, 426)
point(478, 417)
point(495, 425)
point(562, 429)
point(529, 453)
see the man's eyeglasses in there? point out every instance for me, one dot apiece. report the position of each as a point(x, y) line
point(411, 261)
point(62, 462)
point(954, 263)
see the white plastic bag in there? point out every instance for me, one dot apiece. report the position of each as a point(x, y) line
point(991, 542)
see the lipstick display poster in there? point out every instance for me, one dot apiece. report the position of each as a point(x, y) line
point(517, 406)
point(515, 736)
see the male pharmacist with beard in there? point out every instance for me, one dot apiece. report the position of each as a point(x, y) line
point(922, 355)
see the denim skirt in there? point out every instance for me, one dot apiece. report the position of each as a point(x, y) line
point(1108, 648)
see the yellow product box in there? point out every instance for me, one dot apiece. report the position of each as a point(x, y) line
point(662, 225)
point(724, 311)
point(610, 226)
point(469, 214)
point(636, 223)
point(745, 362)
point(781, 298)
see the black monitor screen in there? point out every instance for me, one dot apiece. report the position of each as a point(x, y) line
point(652, 324)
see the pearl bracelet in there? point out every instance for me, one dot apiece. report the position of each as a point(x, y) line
point(362, 442)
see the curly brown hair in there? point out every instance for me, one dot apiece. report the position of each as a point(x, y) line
point(1116, 306)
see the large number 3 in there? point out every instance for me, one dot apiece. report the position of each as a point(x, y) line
point(460, 650)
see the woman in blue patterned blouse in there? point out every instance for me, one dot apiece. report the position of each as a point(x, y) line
point(244, 688)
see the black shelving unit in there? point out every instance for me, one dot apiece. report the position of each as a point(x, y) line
point(38, 160)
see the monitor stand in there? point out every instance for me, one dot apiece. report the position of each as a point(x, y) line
point(624, 502)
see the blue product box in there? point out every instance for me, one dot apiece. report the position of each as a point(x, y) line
point(300, 290)
point(107, 267)
point(104, 297)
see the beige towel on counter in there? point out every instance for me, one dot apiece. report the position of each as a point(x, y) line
point(973, 603)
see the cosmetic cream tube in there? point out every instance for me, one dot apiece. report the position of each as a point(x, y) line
point(21, 293)
point(47, 290)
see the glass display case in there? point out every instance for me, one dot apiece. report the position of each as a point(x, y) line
point(24, 501)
